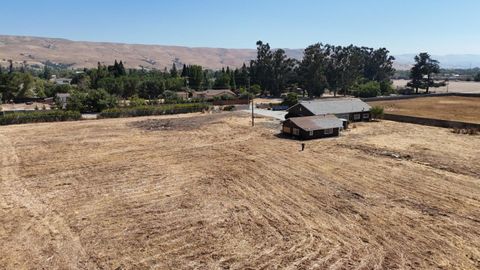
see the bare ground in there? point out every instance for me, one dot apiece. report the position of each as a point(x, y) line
point(219, 194)
point(453, 86)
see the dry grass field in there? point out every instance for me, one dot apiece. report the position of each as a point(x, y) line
point(453, 86)
point(465, 109)
point(210, 192)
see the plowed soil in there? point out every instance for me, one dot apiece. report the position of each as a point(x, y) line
point(130, 194)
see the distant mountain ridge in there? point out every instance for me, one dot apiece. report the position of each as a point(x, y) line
point(80, 54)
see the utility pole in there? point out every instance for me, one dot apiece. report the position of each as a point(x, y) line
point(253, 117)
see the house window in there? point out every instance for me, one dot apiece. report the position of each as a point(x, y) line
point(356, 116)
point(296, 131)
point(286, 129)
point(328, 131)
point(310, 133)
point(366, 115)
point(300, 109)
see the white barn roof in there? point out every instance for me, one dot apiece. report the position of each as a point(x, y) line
point(335, 106)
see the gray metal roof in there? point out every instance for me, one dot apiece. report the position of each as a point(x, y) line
point(317, 122)
point(335, 106)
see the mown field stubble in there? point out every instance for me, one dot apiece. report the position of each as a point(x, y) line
point(210, 192)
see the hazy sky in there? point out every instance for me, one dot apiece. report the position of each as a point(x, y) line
point(403, 26)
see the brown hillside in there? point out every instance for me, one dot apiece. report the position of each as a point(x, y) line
point(79, 54)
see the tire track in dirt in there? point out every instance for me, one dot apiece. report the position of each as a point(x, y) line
point(46, 237)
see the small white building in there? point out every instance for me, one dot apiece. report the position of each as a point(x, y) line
point(62, 99)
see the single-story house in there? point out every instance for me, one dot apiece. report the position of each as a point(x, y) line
point(183, 94)
point(351, 109)
point(61, 81)
point(311, 127)
point(213, 93)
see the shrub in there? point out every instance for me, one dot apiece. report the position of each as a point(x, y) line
point(368, 89)
point(255, 89)
point(406, 91)
point(39, 116)
point(386, 88)
point(135, 101)
point(229, 108)
point(377, 112)
point(290, 99)
point(153, 110)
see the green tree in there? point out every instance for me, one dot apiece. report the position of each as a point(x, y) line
point(184, 71)
point(477, 77)
point(421, 73)
point(378, 64)
point(312, 70)
point(10, 66)
point(290, 99)
point(195, 77)
point(222, 80)
point(233, 84)
point(173, 71)
point(282, 66)
point(91, 100)
point(261, 67)
point(151, 88)
point(368, 89)
point(47, 73)
point(255, 89)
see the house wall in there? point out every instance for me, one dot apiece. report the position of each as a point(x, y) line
point(364, 116)
point(288, 129)
point(305, 135)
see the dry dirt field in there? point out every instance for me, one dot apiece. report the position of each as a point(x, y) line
point(210, 192)
point(465, 109)
point(453, 86)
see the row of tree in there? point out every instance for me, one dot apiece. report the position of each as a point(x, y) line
point(335, 68)
point(360, 71)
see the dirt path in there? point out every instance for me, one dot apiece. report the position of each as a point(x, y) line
point(40, 233)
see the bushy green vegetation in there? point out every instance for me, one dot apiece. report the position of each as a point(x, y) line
point(38, 116)
point(369, 89)
point(154, 110)
point(91, 101)
point(377, 112)
point(290, 99)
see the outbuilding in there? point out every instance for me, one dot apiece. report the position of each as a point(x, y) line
point(351, 109)
point(312, 127)
point(213, 93)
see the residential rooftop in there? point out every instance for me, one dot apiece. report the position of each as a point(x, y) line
point(335, 105)
point(317, 122)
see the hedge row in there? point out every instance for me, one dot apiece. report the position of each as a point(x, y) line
point(38, 116)
point(153, 110)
